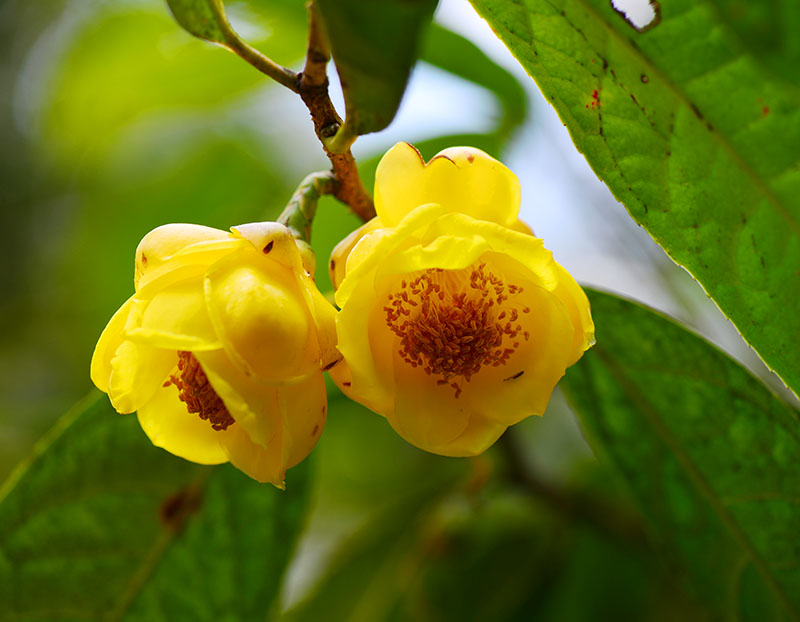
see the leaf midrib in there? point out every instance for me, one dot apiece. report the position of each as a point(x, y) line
point(637, 52)
point(693, 472)
point(155, 555)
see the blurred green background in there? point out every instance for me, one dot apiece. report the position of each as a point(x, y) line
point(113, 121)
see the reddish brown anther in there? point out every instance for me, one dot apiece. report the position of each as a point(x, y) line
point(453, 334)
point(196, 392)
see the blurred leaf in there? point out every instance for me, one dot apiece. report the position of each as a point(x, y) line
point(150, 72)
point(102, 525)
point(689, 133)
point(363, 463)
point(711, 455)
point(767, 29)
point(374, 44)
point(202, 18)
point(458, 55)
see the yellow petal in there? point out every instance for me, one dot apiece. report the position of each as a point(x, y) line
point(426, 414)
point(577, 304)
point(304, 409)
point(137, 371)
point(273, 239)
point(478, 436)
point(462, 179)
point(260, 316)
point(505, 395)
point(169, 425)
point(440, 243)
point(324, 314)
point(255, 406)
point(164, 242)
point(263, 464)
point(173, 317)
point(286, 421)
point(339, 256)
point(374, 246)
point(367, 346)
point(110, 339)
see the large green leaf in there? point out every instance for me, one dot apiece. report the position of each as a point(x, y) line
point(374, 44)
point(711, 455)
point(691, 136)
point(103, 525)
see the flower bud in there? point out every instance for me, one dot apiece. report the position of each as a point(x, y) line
point(220, 349)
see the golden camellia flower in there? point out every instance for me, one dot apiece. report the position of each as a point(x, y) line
point(455, 321)
point(220, 349)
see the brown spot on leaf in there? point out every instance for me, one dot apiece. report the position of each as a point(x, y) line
point(269, 246)
point(177, 508)
point(144, 258)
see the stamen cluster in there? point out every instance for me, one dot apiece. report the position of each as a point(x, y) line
point(452, 332)
point(196, 392)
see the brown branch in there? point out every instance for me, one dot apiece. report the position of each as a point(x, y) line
point(312, 85)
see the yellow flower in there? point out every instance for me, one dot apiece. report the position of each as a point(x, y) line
point(219, 350)
point(455, 321)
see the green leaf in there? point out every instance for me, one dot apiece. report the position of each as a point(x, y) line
point(459, 56)
point(691, 136)
point(374, 44)
point(204, 19)
point(710, 454)
point(768, 29)
point(102, 525)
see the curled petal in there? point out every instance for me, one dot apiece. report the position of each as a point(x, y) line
point(107, 345)
point(137, 371)
point(173, 317)
point(462, 179)
point(260, 316)
point(263, 464)
point(166, 241)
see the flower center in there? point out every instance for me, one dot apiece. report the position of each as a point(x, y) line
point(453, 331)
point(196, 392)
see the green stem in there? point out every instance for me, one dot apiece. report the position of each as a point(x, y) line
point(265, 65)
point(302, 207)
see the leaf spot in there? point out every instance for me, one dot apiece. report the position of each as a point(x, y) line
point(177, 508)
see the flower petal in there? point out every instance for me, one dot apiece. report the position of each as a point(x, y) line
point(324, 314)
point(137, 371)
point(304, 408)
point(263, 464)
point(166, 241)
point(169, 425)
point(522, 387)
point(367, 346)
point(462, 179)
point(110, 339)
point(339, 256)
point(173, 317)
point(253, 405)
point(479, 435)
point(425, 413)
point(577, 304)
point(285, 420)
point(260, 316)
